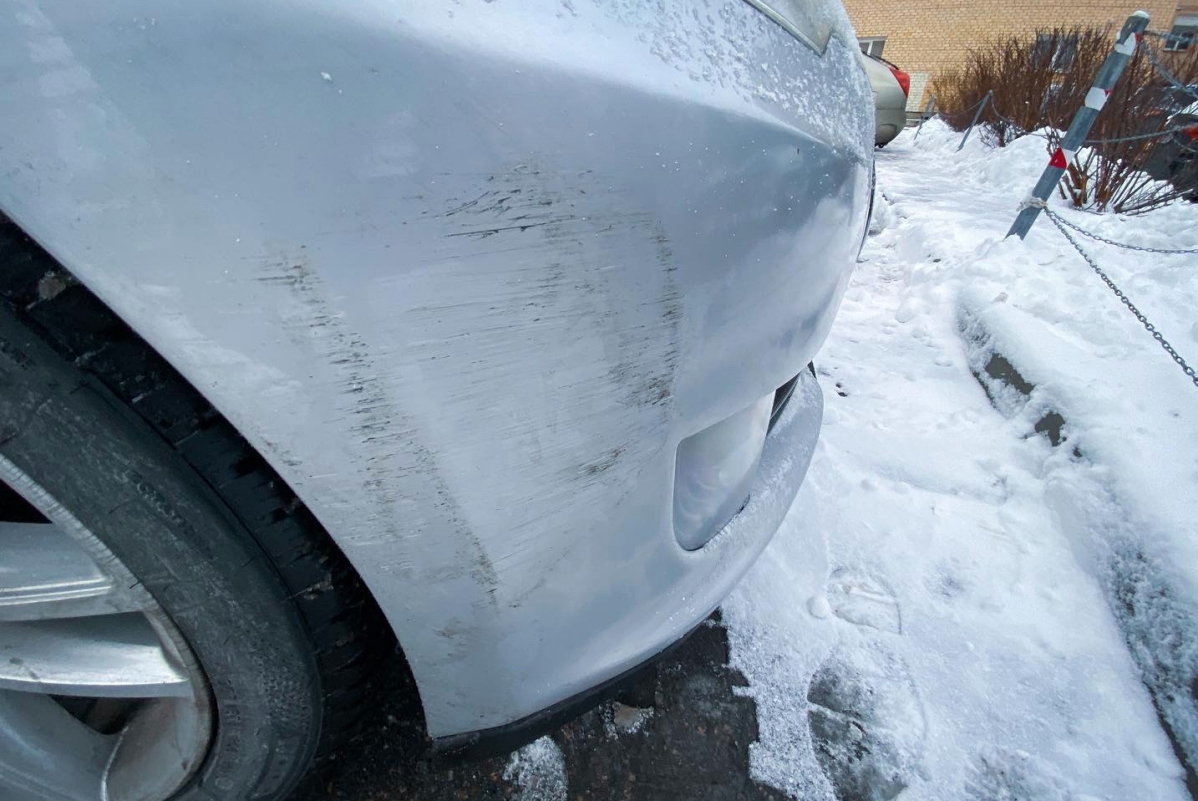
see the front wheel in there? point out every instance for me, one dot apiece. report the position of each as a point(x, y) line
point(166, 631)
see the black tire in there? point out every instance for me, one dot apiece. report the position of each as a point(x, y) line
point(285, 633)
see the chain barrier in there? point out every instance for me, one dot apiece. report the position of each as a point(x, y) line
point(1109, 141)
point(1022, 131)
point(1057, 220)
point(1136, 137)
point(1142, 248)
point(962, 112)
point(1163, 70)
point(1009, 121)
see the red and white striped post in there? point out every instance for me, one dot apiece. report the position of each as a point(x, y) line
point(1079, 129)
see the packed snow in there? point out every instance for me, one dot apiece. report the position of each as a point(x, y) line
point(538, 771)
point(955, 608)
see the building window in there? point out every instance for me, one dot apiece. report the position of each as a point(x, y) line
point(872, 46)
point(1057, 52)
point(1183, 34)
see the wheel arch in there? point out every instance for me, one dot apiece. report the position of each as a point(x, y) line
point(85, 330)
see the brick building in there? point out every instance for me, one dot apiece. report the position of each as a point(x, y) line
point(925, 37)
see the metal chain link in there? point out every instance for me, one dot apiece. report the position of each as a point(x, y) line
point(1164, 343)
point(1163, 70)
point(1110, 141)
point(963, 111)
point(1059, 220)
point(1164, 132)
point(1011, 122)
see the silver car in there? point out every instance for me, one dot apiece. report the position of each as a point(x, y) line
point(479, 330)
point(890, 86)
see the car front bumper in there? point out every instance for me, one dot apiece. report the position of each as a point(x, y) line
point(467, 281)
point(784, 461)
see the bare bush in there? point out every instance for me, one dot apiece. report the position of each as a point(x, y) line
point(1040, 81)
point(1036, 80)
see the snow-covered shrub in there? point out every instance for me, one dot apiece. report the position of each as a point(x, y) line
point(1136, 161)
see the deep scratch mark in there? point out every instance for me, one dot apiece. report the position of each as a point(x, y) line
point(605, 462)
point(486, 232)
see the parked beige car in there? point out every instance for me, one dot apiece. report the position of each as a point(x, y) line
point(890, 87)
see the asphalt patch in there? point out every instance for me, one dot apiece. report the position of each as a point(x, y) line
point(683, 732)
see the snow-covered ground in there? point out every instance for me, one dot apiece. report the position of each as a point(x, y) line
point(949, 605)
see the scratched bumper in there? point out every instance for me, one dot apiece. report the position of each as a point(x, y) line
point(712, 572)
point(467, 292)
point(787, 454)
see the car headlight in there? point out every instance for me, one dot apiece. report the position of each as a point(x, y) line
point(809, 20)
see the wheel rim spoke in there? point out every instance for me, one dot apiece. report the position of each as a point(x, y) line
point(109, 656)
point(45, 574)
point(46, 753)
point(168, 731)
point(101, 699)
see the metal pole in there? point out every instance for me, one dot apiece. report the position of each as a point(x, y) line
point(1104, 82)
point(977, 116)
point(927, 112)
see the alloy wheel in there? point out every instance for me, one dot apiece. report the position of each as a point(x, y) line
point(100, 697)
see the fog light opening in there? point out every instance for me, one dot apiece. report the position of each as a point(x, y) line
point(714, 470)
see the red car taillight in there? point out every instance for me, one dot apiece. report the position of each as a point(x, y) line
point(903, 78)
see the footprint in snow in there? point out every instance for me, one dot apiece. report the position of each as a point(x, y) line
point(867, 722)
point(864, 600)
point(1002, 774)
